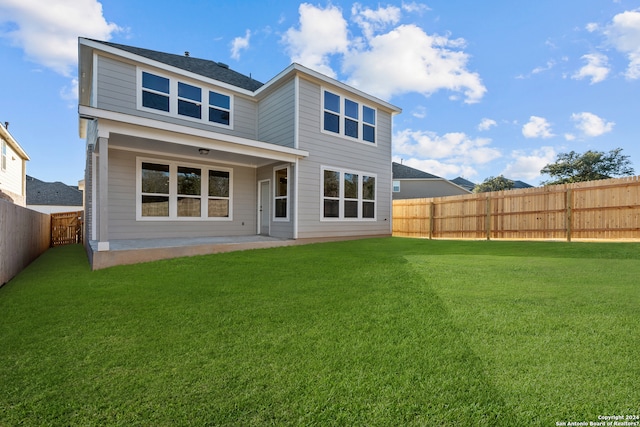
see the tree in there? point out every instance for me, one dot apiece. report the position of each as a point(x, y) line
point(590, 166)
point(494, 184)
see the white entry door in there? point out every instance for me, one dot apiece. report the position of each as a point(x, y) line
point(264, 207)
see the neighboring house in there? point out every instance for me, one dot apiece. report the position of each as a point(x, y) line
point(13, 168)
point(53, 197)
point(520, 184)
point(464, 183)
point(470, 185)
point(185, 147)
point(410, 183)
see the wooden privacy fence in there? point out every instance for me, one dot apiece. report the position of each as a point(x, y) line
point(606, 209)
point(66, 228)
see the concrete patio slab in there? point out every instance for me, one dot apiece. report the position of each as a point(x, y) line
point(134, 251)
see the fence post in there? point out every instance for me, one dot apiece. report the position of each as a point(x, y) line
point(488, 216)
point(569, 205)
point(431, 211)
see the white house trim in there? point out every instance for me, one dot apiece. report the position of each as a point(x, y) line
point(184, 135)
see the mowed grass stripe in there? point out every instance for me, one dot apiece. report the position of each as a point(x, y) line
point(559, 336)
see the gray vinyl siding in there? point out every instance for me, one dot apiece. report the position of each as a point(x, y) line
point(425, 188)
point(117, 91)
point(333, 151)
point(88, 195)
point(122, 205)
point(276, 114)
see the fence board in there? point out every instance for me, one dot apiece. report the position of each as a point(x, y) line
point(605, 209)
point(66, 228)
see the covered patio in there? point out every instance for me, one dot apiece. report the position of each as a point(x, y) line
point(134, 251)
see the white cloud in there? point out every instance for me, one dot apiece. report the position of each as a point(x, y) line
point(487, 124)
point(597, 68)
point(420, 112)
point(569, 137)
point(624, 34)
point(537, 127)
point(526, 166)
point(70, 93)
point(592, 26)
point(549, 65)
point(591, 125)
point(382, 62)
point(414, 7)
point(450, 154)
point(407, 59)
point(48, 34)
point(371, 21)
point(322, 32)
point(239, 44)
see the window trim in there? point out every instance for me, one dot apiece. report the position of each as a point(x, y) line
point(393, 185)
point(341, 198)
point(3, 154)
point(287, 197)
point(173, 191)
point(174, 99)
point(342, 116)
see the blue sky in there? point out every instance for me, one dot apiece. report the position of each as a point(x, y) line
point(487, 88)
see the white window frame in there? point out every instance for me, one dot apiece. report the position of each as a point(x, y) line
point(173, 99)
point(341, 198)
point(396, 181)
point(3, 154)
point(173, 191)
point(343, 116)
point(275, 197)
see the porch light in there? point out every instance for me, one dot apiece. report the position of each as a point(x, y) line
point(203, 151)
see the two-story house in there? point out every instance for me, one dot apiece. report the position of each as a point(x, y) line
point(13, 168)
point(181, 147)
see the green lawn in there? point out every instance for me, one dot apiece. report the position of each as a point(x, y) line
point(379, 332)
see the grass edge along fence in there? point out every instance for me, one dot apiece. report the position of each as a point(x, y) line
point(604, 209)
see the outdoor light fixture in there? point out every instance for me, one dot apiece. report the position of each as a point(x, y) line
point(203, 151)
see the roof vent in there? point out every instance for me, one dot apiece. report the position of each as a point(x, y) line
point(186, 53)
point(223, 65)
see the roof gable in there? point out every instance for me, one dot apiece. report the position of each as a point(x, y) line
point(521, 184)
point(464, 183)
point(401, 171)
point(204, 67)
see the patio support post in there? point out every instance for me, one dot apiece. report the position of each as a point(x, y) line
point(103, 194)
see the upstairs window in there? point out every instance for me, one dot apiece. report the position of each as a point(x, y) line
point(189, 100)
point(348, 118)
point(219, 108)
point(185, 100)
point(155, 92)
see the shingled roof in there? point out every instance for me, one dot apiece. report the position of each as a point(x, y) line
point(204, 67)
point(464, 183)
point(52, 193)
point(401, 171)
